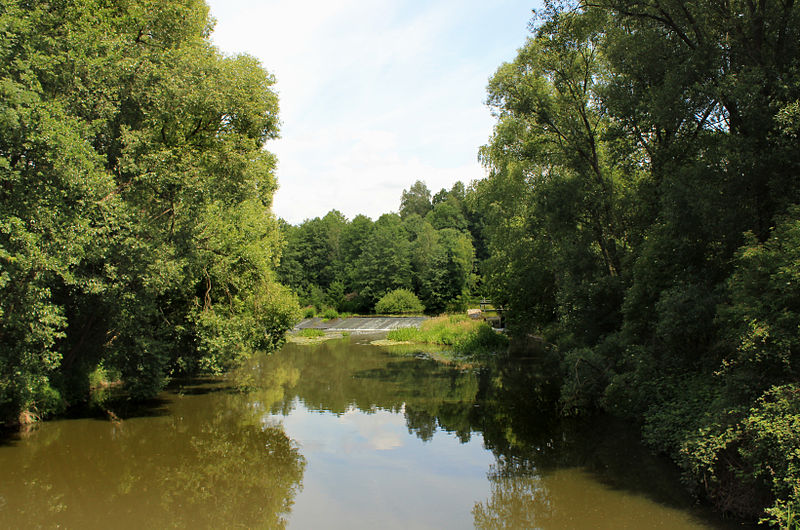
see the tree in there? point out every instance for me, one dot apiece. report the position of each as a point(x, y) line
point(447, 278)
point(384, 263)
point(447, 214)
point(416, 199)
point(550, 143)
point(135, 197)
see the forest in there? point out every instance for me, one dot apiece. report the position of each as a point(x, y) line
point(428, 248)
point(136, 237)
point(640, 220)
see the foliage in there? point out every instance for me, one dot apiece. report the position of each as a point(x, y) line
point(415, 200)
point(330, 314)
point(350, 265)
point(311, 333)
point(399, 301)
point(135, 229)
point(763, 315)
point(384, 262)
point(640, 213)
point(761, 450)
point(482, 341)
point(466, 337)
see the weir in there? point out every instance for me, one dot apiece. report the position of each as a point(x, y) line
point(360, 324)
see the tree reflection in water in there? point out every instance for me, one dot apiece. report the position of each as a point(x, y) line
point(210, 463)
point(547, 473)
point(215, 458)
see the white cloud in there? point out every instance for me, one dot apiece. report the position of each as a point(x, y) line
point(374, 94)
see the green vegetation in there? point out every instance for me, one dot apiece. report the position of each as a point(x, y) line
point(135, 224)
point(310, 333)
point(330, 314)
point(642, 214)
point(429, 249)
point(465, 336)
point(399, 301)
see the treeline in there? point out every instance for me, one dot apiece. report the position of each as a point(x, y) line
point(136, 239)
point(428, 248)
point(642, 217)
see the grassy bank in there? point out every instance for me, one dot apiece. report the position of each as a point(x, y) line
point(314, 336)
point(467, 337)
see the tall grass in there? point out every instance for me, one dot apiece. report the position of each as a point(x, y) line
point(310, 333)
point(465, 336)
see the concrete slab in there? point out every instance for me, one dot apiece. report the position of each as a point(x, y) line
point(361, 324)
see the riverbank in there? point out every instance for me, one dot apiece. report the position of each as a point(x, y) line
point(465, 336)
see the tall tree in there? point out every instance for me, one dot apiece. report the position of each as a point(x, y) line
point(416, 199)
point(135, 197)
point(384, 264)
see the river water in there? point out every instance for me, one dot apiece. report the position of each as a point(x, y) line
point(342, 435)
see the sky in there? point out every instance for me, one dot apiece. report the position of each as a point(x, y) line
point(374, 94)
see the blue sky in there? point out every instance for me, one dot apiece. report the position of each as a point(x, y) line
point(374, 94)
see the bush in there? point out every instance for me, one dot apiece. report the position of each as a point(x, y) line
point(754, 462)
point(483, 340)
point(330, 314)
point(309, 312)
point(399, 301)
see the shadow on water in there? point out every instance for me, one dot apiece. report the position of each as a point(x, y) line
point(121, 408)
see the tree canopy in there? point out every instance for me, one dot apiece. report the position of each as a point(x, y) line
point(135, 226)
point(350, 265)
point(639, 213)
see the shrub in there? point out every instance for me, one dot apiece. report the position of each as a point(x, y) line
point(399, 301)
point(748, 464)
point(483, 340)
point(309, 312)
point(330, 314)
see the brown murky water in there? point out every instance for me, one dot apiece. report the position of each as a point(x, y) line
point(341, 435)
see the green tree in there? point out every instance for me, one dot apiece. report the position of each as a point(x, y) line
point(416, 199)
point(384, 263)
point(447, 279)
point(136, 230)
point(447, 214)
point(550, 143)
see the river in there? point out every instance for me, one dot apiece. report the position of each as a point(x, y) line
point(342, 434)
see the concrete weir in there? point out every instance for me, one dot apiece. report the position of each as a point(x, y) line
point(361, 324)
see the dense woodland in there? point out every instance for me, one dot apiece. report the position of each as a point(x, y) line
point(640, 220)
point(642, 217)
point(428, 248)
point(136, 238)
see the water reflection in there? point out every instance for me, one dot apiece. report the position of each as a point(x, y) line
point(547, 473)
point(210, 463)
point(372, 439)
